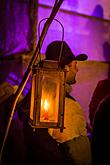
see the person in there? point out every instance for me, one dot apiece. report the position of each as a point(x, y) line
point(40, 146)
point(100, 141)
point(102, 89)
point(73, 140)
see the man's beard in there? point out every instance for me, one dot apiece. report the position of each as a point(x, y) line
point(71, 82)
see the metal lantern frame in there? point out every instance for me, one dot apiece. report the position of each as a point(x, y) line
point(50, 71)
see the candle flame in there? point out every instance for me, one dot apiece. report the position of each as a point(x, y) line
point(46, 105)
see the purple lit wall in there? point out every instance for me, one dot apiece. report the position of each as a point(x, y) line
point(84, 6)
point(86, 26)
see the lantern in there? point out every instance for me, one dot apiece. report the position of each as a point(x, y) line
point(47, 96)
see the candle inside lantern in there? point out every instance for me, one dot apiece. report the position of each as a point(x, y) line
point(47, 96)
point(49, 100)
point(46, 109)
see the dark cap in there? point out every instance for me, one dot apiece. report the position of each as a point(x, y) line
point(53, 53)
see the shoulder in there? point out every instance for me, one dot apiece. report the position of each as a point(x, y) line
point(104, 82)
point(103, 109)
point(72, 106)
point(69, 96)
point(104, 103)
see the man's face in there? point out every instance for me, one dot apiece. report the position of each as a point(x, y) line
point(71, 72)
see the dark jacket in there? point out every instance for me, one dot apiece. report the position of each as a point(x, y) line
point(102, 89)
point(100, 141)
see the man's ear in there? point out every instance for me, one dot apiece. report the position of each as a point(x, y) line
point(67, 68)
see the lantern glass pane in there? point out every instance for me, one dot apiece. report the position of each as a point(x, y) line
point(49, 99)
point(32, 99)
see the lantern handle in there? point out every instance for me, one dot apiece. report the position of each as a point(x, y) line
point(62, 35)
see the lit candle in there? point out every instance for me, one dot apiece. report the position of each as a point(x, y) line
point(46, 109)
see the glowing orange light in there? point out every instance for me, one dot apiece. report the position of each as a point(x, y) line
point(47, 96)
point(46, 105)
point(45, 108)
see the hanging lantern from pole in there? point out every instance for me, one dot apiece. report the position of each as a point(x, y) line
point(47, 96)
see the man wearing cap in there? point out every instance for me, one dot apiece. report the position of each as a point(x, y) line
point(43, 148)
point(73, 140)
